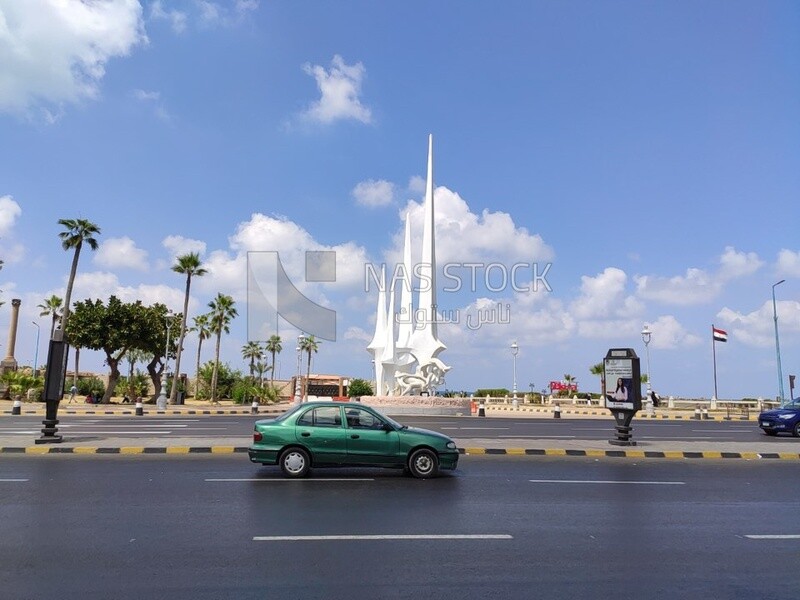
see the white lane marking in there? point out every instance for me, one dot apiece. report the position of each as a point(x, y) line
point(539, 437)
point(607, 481)
point(773, 537)
point(81, 432)
point(680, 437)
point(607, 428)
point(13, 480)
point(14, 431)
point(314, 538)
point(725, 431)
point(479, 428)
point(153, 425)
point(291, 480)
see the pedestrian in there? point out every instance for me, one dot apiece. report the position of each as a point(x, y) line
point(72, 391)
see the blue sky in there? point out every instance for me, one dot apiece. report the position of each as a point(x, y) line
point(648, 151)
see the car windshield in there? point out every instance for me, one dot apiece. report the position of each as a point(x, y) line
point(795, 404)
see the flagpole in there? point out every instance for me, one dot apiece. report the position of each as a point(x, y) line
point(714, 352)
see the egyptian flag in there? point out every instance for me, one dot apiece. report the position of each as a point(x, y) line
point(719, 334)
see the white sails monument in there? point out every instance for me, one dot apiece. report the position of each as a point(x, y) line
point(406, 344)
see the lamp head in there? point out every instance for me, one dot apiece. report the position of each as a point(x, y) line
point(646, 333)
point(514, 348)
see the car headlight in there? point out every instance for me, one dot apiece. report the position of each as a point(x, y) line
point(786, 417)
point(451, 445)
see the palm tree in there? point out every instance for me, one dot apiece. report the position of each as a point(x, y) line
point(273, 346)
point(220, 317)
point(261, 368)
point(202, 327)
point(189, 265)
point(254, 352)
point(569, 380)
point(51, 306)
point(600, 370)
point(76, 233)
point(308, 344)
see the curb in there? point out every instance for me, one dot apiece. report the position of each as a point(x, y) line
point(41, 413)
point(640, 454)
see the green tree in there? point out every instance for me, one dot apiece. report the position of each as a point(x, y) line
point(189, 265)
point(203, 329)
point(359, 387)
point(112, 328)
point(220, 317)
point(274, 347)
point(51, 307)
point(309, 344)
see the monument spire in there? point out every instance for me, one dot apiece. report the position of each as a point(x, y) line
point(426, 339)
point(378, 344)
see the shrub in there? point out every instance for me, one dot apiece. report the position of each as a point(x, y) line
point(359, 387)
point(492, 392)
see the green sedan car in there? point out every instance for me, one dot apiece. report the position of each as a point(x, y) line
point(348, 434)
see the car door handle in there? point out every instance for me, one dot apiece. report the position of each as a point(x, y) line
point(305, 434)
point(354, 436)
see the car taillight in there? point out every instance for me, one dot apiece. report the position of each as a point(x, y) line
point(256, 436)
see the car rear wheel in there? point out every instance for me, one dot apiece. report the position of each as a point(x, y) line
point(423, 463)
point(796, 430)
point(295, 462)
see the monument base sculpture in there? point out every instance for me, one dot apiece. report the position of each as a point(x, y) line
point(418, 405)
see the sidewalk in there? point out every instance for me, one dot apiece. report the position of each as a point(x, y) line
point(756, 447)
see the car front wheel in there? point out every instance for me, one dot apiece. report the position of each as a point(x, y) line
point(796, 430)
point(423, 463)
point(295, 462)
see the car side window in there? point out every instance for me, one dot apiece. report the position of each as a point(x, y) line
point(327, 416)
point(362, 419)
point(306, 419)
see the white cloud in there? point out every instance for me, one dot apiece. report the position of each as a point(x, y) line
point(373, 193)
point(56, 52)
point(179, 245)
point(9, 213)
point(340, 88)
point(228, 270)
point(668, 334)
point(757, 328)
point(154, 99)
point(215, 13)
point(698, 286)
point(789, 263)
point(115, 253)
point(735, 265)
point(102, 285)
point(145, 96)
point(416, 184)
point(358, 334)
point(176, 18)
point(463, 236)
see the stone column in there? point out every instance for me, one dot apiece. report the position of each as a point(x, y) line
point(9, 362)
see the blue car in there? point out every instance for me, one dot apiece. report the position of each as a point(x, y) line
point(786, 419)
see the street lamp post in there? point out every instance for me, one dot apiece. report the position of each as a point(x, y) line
point(514, 352)
point(161, 401)
point(36, 350)
point(646, 334)
point(777, 342)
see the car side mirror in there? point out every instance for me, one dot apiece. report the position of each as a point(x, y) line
point(387, 427)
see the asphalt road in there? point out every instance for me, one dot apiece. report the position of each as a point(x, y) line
point(203, 426)
point(499, 527)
